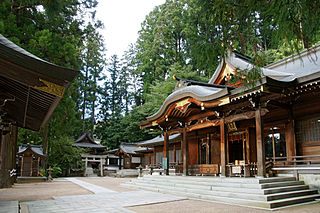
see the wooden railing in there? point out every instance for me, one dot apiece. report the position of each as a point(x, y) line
point(308, 164)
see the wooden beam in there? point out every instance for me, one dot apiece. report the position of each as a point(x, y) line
point(185, 151)
point(203, 125)
point(260, 144)
point(200, 116)
point(245, 116)
point(278, 104)
point(223, 153)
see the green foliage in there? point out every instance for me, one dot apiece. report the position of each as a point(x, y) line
point(63, 154)
point(56, 171)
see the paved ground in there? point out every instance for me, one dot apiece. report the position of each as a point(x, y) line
point(76, 195)
point(103, 200)
point(41, 191)
point(198, 206)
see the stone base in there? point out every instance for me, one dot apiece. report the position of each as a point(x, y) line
point(26, 179)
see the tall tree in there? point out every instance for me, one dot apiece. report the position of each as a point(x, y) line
point(93, 64)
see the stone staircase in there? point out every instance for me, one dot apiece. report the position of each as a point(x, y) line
point(255, 192)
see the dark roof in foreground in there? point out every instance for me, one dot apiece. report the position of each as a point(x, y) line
point(30, 87)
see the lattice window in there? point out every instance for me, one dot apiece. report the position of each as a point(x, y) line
point(178, 156)
point(308, 131)
point(171, 156)
point(159, 156)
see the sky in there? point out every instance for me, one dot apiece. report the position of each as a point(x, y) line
point(122, 20)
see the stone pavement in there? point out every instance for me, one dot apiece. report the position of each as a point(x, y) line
point(103, 200)
point(9, 207)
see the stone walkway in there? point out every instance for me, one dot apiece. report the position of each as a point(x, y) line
point(103, 200)
point(9, 207)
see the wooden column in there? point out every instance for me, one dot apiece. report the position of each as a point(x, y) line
point(248, 146)
point(290, 139)
point(120, 158)
point(185, 151)
point(223, 149)
point(5, 152)
point(174, 154)
point(101, 167)
point(166, 152)
point(154, 157)
point(261, 164)
point(14, 143)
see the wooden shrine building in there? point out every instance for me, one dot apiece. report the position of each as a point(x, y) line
point(129, 156)
point(232, 129)
point(30, 89)
point(153, 152)
point(95, 155)
point(29, 159)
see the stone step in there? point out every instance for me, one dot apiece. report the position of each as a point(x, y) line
point(232, 200)
point(284, 189)
point(229, 200)
point(284, 195)
point(199, 181)
point(275, 179)
point(233, 187)
point(206, 179)
point(217, 182)
point(202, 179)
point(252, 195)
point(241, 188)
point(293, 201)
point(281, 184)
point(239, 195)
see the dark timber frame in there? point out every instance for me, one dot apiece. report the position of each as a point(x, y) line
point(30, 89)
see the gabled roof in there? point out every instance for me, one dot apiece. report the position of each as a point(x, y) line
point(30, 87)
point(36, 149)
point(128, 148)
point(85, 141)
point(159, 140)
point(235, 61)
point(143, 150)
point(302, 64)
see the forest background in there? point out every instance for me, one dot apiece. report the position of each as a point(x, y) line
point(186, 38)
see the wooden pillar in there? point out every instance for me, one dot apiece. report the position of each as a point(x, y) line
point(174, 154)
point(101, 167)
point(207, 149)
point(273, 147)
point(290, 139)
point(247, 140)
point(223, 149)
point(165, 163)
point(261, 164)
point(120, 161)
point(185, 151)
point(45, 145)
point(31, 165)
point(154, 157)
point(86, 166)
point(4, 173)
point(14, 143)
